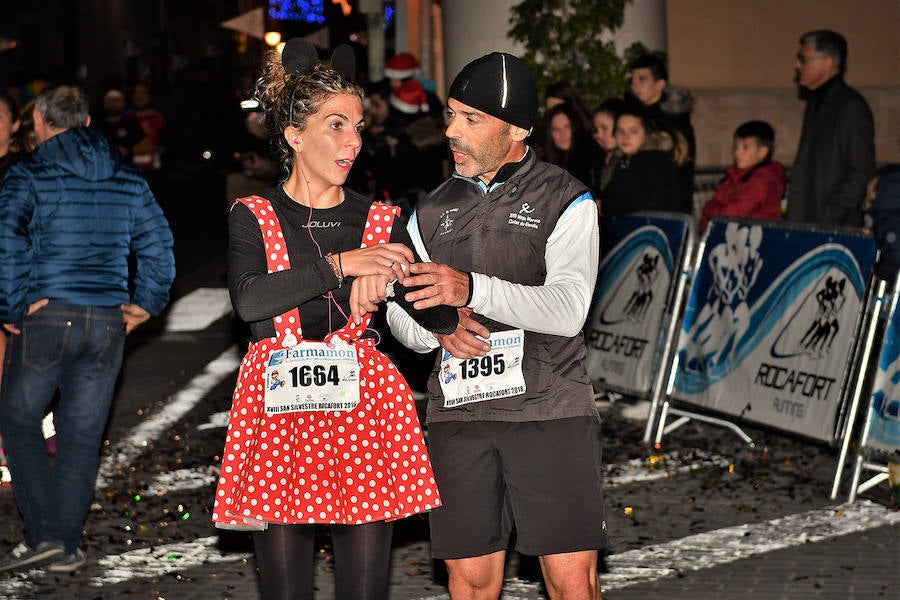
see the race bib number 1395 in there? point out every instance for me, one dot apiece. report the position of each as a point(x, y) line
point(498, 374)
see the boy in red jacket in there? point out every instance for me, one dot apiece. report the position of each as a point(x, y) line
point(755, 184)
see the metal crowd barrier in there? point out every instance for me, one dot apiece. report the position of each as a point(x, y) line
point(637, 299)
point(778, 327)
point(879, 444)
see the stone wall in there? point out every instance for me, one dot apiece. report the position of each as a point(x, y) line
point(718, 112)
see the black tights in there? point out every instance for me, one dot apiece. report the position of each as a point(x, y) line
point(362, 555)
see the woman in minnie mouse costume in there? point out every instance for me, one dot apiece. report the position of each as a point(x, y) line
point(323, 428)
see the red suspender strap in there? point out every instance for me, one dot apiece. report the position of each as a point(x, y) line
point(276, 260)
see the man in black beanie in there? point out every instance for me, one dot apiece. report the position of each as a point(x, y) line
point(514, 433)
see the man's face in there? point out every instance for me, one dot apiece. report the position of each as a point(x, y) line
point(813, 68)
point(645, 87)
point(480, 143)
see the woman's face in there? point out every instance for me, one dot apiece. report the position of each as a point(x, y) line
point(605, 131)
point(330, 142)
point(561, 131)
point(630, 134)
point(9, 125)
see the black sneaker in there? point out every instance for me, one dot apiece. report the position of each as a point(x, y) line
point(24, 555)
point(69, 562)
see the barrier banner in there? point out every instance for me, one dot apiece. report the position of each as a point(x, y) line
point(771, 322)
point(640, 255)
point(884, 416)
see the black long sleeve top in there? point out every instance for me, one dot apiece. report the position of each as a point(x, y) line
point(258, 296)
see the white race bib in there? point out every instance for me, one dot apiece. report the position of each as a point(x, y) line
point(498, 374)
point(312, 376)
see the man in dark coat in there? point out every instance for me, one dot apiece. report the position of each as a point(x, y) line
point(836, 155)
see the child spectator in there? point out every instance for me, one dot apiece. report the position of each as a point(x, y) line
point(644, 175)
point(755, 184)
point(604, 118)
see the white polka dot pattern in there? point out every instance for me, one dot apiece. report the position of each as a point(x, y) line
point(368, 464)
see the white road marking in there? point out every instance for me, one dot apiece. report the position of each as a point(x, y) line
point(182, 402)
point(722, 546)
point(713, 548)
point(198, 310)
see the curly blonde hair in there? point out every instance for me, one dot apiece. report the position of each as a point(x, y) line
point(289, 99)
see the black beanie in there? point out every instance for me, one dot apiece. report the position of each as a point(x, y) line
point(498, 84)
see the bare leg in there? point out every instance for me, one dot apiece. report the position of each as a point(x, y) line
point(572, 575)
point(476, 578)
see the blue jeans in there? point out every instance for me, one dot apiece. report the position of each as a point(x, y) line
point(77, 350)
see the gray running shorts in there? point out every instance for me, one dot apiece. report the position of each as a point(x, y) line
point(539, 478)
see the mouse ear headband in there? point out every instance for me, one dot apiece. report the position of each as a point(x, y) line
point(299, 56)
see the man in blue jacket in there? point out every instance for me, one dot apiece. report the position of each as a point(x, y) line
point(71, 216)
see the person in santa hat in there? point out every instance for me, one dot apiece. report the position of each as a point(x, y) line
point(419, 147)
point(404, 67)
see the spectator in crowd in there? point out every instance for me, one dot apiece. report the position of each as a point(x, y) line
point(560, 92)
point(122, 130)
point(404, 67)
point(257, 168)
point(10, 122)
point(883, 208)
point(670, 107)
point(374, 169)
point(604, 119)
point(152, 122)
point(68, 296)
point(568, 145)
point(836, 154)
point(420, 153)
point(563, 92)
point(754, 185)
point(514, 434)
point(645, 176)
point(335, 244)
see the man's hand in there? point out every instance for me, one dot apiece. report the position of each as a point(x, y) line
point(443, 285)
point(133, 315)
point(462, 343)
point(32, 308)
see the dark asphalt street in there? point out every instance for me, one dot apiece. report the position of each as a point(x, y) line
point(704, 517)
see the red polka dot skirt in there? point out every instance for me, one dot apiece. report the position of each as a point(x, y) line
point(347, 467)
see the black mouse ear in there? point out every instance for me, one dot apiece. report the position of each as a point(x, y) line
point(298, 56)
point(343, 60)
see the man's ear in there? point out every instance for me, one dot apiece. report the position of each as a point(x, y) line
point(660, 85)
point(518, 134)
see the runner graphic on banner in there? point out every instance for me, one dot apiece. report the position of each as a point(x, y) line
point(771, 322)
point(639, 258)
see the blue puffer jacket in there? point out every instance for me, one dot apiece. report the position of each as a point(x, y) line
point(70, 216)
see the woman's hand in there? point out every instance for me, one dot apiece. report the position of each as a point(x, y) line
point(389, 260)
point(365, 294)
